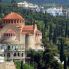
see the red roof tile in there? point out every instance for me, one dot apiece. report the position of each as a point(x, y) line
point(13, 15)
point(28, 28)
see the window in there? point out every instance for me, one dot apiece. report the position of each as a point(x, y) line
point(22, 54)
point(17, 21)
point(14, 54)
point(8, 47)
point(8, 54)
point(14, 21)
point(11, 21)
point(18, 54)
point(8, 21)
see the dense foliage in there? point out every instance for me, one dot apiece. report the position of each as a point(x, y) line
point(43, 60)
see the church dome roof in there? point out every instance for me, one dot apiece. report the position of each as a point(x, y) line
point(13, 16)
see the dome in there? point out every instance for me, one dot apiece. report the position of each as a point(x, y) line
point(13, 16)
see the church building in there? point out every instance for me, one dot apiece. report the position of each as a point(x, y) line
point(16, 37)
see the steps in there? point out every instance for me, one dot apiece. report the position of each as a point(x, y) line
point(7, 65)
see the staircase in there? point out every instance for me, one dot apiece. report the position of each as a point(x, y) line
point(7, 65)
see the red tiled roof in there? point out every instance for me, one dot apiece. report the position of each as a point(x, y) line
point(28, 28)
point(13, 15)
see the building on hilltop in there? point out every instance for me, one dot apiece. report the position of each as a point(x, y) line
point(16, 37)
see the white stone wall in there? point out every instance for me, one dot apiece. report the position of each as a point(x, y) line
point(38, 42)
point(31, 41)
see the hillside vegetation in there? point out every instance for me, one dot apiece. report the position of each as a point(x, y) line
point(55, 37)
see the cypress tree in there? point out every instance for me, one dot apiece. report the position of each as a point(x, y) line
point(54, 37)
point(43, 33)
point(66, 29)
point(65, 63)
point(21, 67)
point(50, 32)
point(61, 50)
point(68, 61)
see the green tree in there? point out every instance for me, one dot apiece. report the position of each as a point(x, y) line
point(50, 32)
point(21, 67)
point(49, 60)
point(66, 29)
point(61, 50)
point(65, 63)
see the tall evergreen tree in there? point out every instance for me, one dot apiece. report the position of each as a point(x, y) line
point(21, 67)
point(68, 61)
point(50, 32)
point(66, 29)
point(43, 33)
point(54, 36)
point(65, 63)
point(61, 50)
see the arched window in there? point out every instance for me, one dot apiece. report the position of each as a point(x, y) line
point(14, 54)
point(18, 54)
point(8, 47)
point(22, 54)
point(14, 21)
point(8, 21)
point(11, 21)
point(17, 21)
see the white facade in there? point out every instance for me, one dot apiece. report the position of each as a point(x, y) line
point(55, 11)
